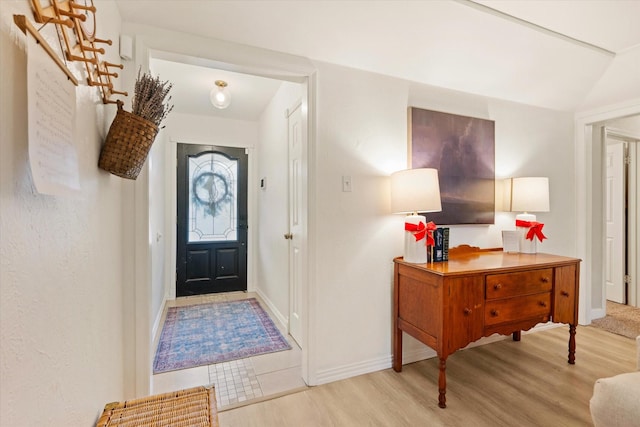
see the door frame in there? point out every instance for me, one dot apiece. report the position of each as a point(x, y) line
point(171, 215)
point(633, 223)
point(588, 212)
point(159, 43)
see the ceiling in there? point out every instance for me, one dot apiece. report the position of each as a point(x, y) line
point(192, 85)
point(546, 53)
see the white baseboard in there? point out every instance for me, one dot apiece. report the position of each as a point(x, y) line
point(409, 356)
point(284, 320)
point(352, 370)
point(597, 313)
point(158, 320)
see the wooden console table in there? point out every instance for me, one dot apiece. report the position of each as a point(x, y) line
point(447, 305)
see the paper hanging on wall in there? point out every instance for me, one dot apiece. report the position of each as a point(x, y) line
point(51, 118)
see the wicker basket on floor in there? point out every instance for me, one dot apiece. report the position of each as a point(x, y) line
point(127, 145)
point(194, 407)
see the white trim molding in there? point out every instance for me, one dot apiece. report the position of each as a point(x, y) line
point(588, 184)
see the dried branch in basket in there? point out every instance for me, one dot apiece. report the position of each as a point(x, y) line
point(149, 98)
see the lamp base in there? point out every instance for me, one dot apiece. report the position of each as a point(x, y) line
point(525, 245)
point(414, 252)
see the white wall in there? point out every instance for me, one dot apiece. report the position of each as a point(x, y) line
point(61, 271)
point(272, 278)
point(362, 132)
point(193, 129)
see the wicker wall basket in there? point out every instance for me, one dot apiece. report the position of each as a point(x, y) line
point(127, 145)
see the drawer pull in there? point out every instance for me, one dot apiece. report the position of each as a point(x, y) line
point(544, 279)
point(494, 312)
point(564, 293)
point(497, 286)
point(542, 303)
point(466, 311)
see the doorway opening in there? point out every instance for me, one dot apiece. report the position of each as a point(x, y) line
point(590, 224)
point(261, 135)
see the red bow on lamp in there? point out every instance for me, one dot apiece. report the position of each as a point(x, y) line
point(535, 229)
point(421, 230)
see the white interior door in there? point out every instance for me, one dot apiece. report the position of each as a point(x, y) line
point(296, 234)
point(615, 226)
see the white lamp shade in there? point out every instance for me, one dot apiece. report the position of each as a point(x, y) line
point(415, 190)
point(530, 194)
point(503, 195)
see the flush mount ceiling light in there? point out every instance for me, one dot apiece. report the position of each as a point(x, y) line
point(219, 95)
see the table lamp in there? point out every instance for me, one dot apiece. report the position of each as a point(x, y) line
point(529, 194)
point(413, 191)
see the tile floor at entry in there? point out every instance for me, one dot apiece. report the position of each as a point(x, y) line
point(239, 381)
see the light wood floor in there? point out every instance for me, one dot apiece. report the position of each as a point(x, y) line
point(507, 383)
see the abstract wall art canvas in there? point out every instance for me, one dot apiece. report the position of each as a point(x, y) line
point(463, 150)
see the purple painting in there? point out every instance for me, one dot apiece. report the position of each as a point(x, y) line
point(463, 150)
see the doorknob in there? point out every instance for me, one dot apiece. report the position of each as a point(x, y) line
point(288, 236)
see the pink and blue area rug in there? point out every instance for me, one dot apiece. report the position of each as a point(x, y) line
point(217, 332)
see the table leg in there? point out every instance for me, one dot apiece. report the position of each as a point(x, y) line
point(572, 344)
point(517, 335)
point(397, 349)
point(397, 332)
point(442, 384)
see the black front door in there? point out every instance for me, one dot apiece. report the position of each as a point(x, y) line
point(212, 220)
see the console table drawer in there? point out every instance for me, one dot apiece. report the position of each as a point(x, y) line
point(513, 309)
point(521, 283)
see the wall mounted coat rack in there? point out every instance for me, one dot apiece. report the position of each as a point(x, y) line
point(75, 23)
